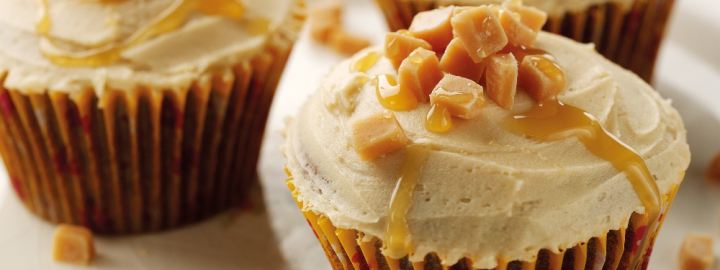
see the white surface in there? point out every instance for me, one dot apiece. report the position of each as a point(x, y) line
point(689, 73)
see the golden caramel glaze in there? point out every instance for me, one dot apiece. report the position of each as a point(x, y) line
point(551, 120)
point(366, 62)
point(397, 235)
point(438, 119)
point(392, 96)
point(171, 19)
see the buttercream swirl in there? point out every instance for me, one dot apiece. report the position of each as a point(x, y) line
point(171, 58)
point(485, 192)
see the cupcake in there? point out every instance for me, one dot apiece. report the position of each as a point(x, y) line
point(628, 32)
point(133, 116)
point(508, 148)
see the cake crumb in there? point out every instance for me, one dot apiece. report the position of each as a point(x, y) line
point(696, 252)
point(713, 171)
point(73, 244)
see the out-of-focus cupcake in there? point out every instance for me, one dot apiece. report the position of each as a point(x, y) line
point(131, 116)
point(629, 32)
point(506, 149)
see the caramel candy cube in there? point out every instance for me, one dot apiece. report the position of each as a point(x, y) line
point(346, 43)
point(541, 77)
point(392, 97)
point(480, 31)
point(73, 244)
point(419, 73)
point(377, 136)
point(324, 18)
point(434, 27)
point(696, 252)
point(462, 97)
point(456, 61)
point(501, 78)
point(529, 16)
point(518, 34)
point(398, 45)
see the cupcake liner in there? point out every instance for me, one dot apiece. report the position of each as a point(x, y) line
point(350, 249)
point(143, 159)
point(630, 36)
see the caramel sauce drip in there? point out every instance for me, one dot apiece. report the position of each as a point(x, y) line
point(391, 96)
point(553, 120)
point(170, 19)
point(438, 119)
point(521, 51)
point(366, 62)
point(397, 233)
point(43, 25)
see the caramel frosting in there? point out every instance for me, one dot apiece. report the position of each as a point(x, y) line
point(552, 7)
point(484, 192)
point(122, 44)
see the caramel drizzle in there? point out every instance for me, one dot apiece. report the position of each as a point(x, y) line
point(43, 25)
point(171, 19)
point(366, 62)
point(552, 120)
point(438, 119)
point(398, 242)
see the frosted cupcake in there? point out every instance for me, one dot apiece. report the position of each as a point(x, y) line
point(504, 149)
point(130, 116)
point(629, 32)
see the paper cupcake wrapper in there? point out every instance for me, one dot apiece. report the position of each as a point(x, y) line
point(349, 249)
point(136, 160)
point(630, 36)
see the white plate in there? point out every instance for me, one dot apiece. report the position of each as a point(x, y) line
point(689, 73)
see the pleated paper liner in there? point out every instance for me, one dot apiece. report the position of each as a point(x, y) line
point(348, 249)
point(136, 160)
point(630, 36)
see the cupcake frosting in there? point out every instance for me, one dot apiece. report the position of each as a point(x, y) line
point(552, 7)
point(486, 193)
point(171, 58)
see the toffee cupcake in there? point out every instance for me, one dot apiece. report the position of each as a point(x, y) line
point(629, 32)
point(133, 116)
point(503, 150)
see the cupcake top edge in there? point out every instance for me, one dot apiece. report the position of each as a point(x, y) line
point(481, 189)
point(122, 44)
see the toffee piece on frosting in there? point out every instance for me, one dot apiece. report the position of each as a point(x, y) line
point(434, 27)
point(457, 61)
point(419, 73)
point(501, 79)
point(480, 30)
point(461, 96)
point(398, 45)
point(490, 45)
point(378, 135)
